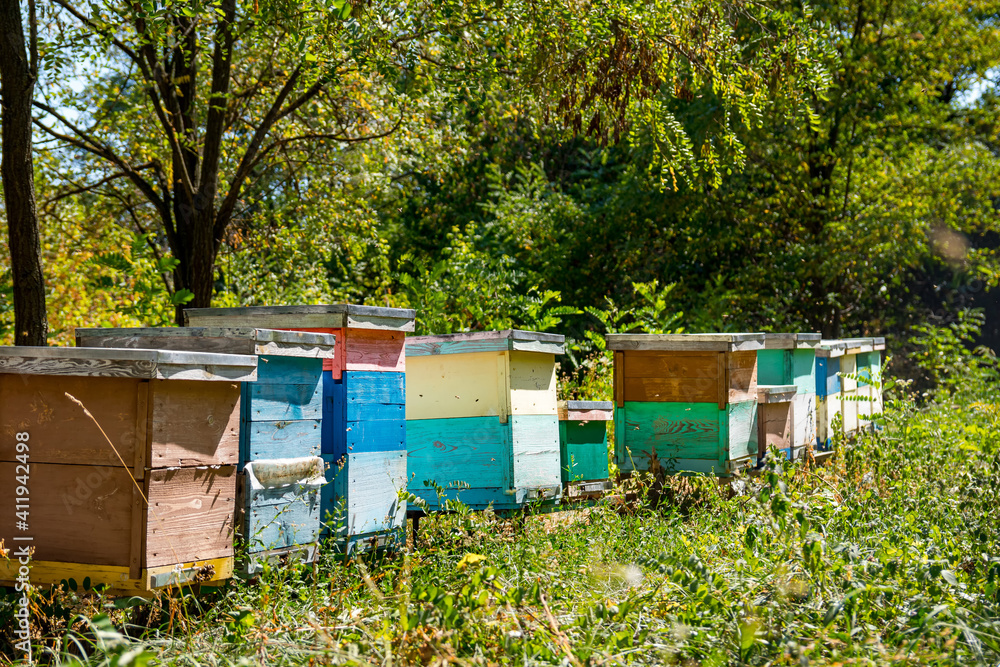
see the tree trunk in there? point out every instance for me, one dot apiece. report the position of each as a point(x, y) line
point(17, 78)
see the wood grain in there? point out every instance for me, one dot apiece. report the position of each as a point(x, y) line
point(535, 446)
point(583, 450)
point(774, 427)
point(191, 514)
point(230, 340)
point(474, 450)
point(79, 514)
point(532, 383)
point(194, 423)
point(280, 439)
point(365, 495)
point(457, 386)
point(332, 316)
point(60, 430)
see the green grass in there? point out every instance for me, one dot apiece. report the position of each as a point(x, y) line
point(888, 555)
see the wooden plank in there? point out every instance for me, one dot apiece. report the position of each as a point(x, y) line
point(533, 384)
point(804, 418)
point(289, 370)
point(619, 433)
point(827, 409)
point(304, 317)
point(80, 514)
point(535, 442)
point(583, 450)
point(376, 351)
point(827, 376)
point(742, 376)
point(659, 364)
point(722, 380)
point(280, 439)
point(188, 573)
point(143, 441)
point(230, 340)
point(281, 502)
point(419, 346)
point(584, 406)
point(619, 375)
point(191, 514)
point(688, 342)
point(382, 435)
point(831, 348)
point(803, 370)
point(194, 423)
point(364, 388)
point(775, 427)
point(671, 430)
point(742, 428)
point(366, 494)
point(59, 429)
point(137, 529)
point(457, 386)
point(587, 415)
point(781, 393)
point(671, 389)
point(142, 364)
point(280, 402)
point(771, 367)
point(473, 450)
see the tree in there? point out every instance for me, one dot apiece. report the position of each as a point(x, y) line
point(18, 75)
point(198, 102)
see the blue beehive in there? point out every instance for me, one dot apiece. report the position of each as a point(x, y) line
point(281, 473)
point(363, 404)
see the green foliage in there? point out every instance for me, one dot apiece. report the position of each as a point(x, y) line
point(943, 353)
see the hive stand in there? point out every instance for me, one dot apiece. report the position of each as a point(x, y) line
point(364, 427)
point(148, 503)
point(685, 402)
point(789, 359)
point(481, 410)
point(829, 355)
point(281, 474)
point(583, 448)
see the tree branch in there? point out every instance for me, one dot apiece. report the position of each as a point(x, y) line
point(90, 24)
point(87, 188)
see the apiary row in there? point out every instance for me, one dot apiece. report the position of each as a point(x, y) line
point(146, 458)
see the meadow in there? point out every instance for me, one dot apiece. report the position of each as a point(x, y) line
point(886, 554)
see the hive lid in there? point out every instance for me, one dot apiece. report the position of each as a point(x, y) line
point(328, 316)
point(856, 345)
point(117, 362)
point(831, 347)
point(708, 342)
point(486, 341)
point(791, 341)
point(231, 340)
point(776, 393)
point(586, 410)
point(878, 342)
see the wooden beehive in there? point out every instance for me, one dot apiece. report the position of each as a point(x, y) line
point(481, 411)
point(790, 359)
point(136, 489)
point(583, 447)
point(829, 355)
point(364, 422)
point(685, 402)
point(280, 426)
point(775, 419)
point(875, 373)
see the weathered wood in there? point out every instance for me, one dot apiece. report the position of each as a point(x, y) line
point(586, 410)
point(191, 514)
point(280, 439)
point(475, 450)
point(535, 445)
point(619, 375)
point(486, 341)
point(774, 423)
point(455, 386)
point(776, 393)
point(365, 494)
point(280, 502)
point(118, 580)
point(194, 424)
point(231, 340)
point(80, 514)
point(278, 402)
point(686, 342)
point(791, 341)
point(827, 409)
point(830, 348)
point(671, 389)
point(532, 383)
point(333, 316)
point(142, 364)
point(804, 416)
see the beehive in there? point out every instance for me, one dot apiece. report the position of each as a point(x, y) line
point(790, 359)
point(860, 396)
point(481, 410)
point(685, 402)
point(136, 489)
point(583, 447)
point(875, 374)
point(364, 427)
point(829, 355)
point(280, 427)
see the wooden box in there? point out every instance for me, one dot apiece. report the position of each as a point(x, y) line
point(280, 416)
point(790, 359)
point(481, 411)
point(583, 447)
point(362, 406)
point(775, 419)
point(685, 402)
point(130, 471)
